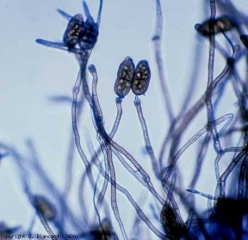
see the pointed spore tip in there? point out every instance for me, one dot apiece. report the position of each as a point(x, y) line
point(50, 44)
point(86, 9)
point(244, 40)
point(64, 14)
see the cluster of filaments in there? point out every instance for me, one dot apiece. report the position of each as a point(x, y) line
point(221, 223)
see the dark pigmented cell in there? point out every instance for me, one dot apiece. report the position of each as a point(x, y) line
point(221, 24)
point(97, 235)
point(104, 233)
point(141, 78)
point(44, 207)
point(124, 77)
point(244, 40)
point(4, 229)
point(230, 211)
point(74, 31)
point(88, 36)
point(172, 228)
point(230, 215)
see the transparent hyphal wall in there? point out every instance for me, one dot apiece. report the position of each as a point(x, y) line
point(183, 179)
